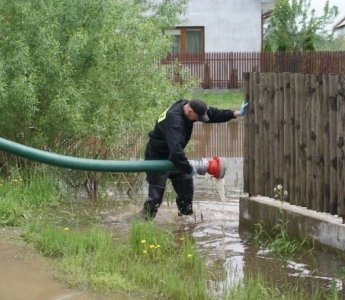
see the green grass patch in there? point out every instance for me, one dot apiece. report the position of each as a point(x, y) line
point(257, 287)
point(149, 262)
point(220, 98)
point(23, 193)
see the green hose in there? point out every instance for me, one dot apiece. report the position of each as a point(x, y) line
point(76, 163)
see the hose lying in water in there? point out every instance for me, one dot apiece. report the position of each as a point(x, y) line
point(214, 166)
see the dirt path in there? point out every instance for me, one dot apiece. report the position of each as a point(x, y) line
point(24, 274)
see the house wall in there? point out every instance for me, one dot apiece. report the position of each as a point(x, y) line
point(230, 25)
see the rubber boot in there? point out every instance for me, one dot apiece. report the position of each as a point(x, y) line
point(184, 189)
point(153, 202)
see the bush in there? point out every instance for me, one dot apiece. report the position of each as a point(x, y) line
point(75, 70)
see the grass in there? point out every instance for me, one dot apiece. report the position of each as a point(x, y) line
point(257, 287)
point(22, 193)
point(150, 262)
point(219, 98)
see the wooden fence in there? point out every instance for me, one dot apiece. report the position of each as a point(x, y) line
point(224, 70)
point(295, 133)
point(217, 139)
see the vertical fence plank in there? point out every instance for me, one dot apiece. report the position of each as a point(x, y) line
point(310, 132)
point(276, 128)
point(341, 146)
point(253, 97)
point(258, 134)
point(299, 81)
point(326, 148)
point(265, 136)
point(270, 112)
point(332, 99)
point(319, 163)
point(292, 190)
point(287, 133)
point(247, 145)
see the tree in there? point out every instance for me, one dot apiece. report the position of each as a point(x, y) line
point(71, 70)
point(331, 43)
point(294, 26)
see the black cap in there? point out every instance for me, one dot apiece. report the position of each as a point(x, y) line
point(200, 108)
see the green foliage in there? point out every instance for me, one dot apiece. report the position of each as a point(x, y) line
point(71, 70)
point(152, 262)
point(331, 43)
point(294, 26)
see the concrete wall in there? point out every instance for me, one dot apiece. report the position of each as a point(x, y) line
point(324, 229)
point(230, 25)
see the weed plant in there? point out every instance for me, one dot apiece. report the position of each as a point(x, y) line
point(277, 239)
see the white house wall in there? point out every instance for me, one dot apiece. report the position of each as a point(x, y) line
point(230, 25)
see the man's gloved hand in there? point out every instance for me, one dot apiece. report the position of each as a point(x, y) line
point(243, 109)
point(193, 173)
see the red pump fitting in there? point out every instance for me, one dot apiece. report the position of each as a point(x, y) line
point(215, 167)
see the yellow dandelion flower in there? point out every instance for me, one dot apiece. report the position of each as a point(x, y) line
point(143, 241)
point(181, 239)
point(189, 255)
point(144, 252)
point(66, 229)
point(152, 246)
point(158, 246)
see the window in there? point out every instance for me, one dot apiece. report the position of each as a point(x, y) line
point(187, 40)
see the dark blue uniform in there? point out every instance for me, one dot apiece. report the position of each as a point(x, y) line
point(168, 139)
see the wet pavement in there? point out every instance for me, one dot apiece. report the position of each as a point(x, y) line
point(24, 274)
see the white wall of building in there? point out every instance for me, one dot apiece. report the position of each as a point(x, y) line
point(230, 25)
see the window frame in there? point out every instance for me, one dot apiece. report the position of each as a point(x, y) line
point(183, 30)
